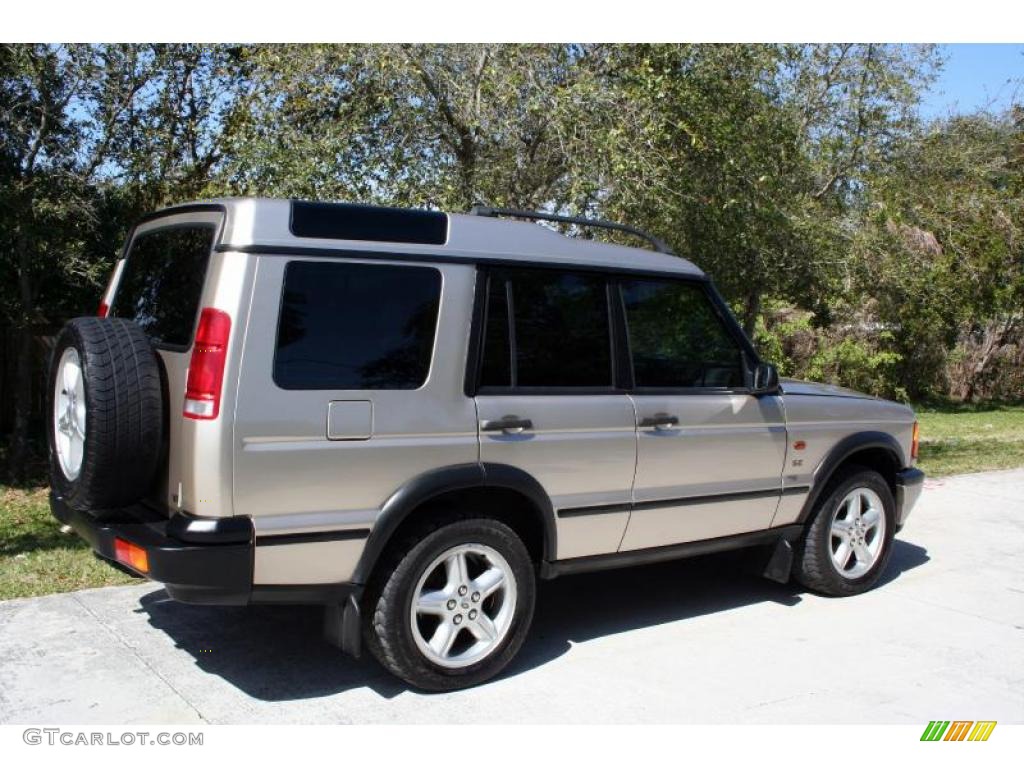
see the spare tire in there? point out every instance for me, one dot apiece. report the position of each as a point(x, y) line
point(105, 429)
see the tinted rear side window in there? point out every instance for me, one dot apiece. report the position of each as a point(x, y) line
point(560, 330)
point(356, 326)
point(676, 337)
point(162, 281)
point(497, 358)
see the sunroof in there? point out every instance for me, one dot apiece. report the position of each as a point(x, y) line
point(345, 221)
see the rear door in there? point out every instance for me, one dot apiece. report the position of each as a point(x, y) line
point(548, 401)
point(709, 454)
point(351, 385)
point(161, 285)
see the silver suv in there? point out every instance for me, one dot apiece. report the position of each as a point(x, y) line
point(409, 416)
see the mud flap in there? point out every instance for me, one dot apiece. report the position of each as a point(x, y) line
point(342, 623)
point(780, 564)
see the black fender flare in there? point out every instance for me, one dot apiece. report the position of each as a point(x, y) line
point(839, 453)
point(515, 479)
point(457, 477)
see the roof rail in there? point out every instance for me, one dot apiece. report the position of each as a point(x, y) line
point(515, 213)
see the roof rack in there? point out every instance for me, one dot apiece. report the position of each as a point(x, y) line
point(515, 213)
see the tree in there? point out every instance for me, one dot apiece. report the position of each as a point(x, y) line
point(704, 155)
point(748, 157)
point(44, 200)
point(942, 247)
point(436, 125)
point(855, 104)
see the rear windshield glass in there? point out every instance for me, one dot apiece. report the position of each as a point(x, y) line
point(162, 281)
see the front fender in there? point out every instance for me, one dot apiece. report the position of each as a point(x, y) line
point(843, 450)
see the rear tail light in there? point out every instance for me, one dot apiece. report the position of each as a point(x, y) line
point(103, 309)
point(132, 555)
point(206, 369)
point(914, 440)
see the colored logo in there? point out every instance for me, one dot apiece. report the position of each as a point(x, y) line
point(958, 730)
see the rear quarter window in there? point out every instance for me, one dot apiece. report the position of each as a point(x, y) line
point(356, 326)
point(162, 281)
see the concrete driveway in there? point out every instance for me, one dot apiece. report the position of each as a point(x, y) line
point(698, 641)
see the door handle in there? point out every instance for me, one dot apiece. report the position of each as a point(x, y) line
point(659, 421)
point(510, 425)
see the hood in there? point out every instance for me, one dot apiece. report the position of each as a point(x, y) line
point(797, 387)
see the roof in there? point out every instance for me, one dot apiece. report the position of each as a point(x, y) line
point(265, 225)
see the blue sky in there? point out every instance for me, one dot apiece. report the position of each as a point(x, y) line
point(976, 76)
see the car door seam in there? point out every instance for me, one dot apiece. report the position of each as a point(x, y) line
point(636, 461)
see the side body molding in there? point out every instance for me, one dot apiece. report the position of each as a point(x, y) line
point(842, 450)
point(458, 477)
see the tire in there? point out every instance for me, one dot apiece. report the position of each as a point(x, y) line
point(399, 643)
point(121, 426)
point(822, 544)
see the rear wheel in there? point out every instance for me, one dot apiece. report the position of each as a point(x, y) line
point(454, 606)
point(849, 540)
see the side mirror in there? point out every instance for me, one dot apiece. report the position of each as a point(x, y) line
point(766, 379)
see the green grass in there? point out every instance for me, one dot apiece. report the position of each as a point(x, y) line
point(36, 558)
point(966, 438)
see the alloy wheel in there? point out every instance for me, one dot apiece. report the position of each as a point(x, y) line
point(857, 533)
point(463, 606)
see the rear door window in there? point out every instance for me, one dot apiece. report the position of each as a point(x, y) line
point(559, 334)
point(356, 326)
point(162, 281)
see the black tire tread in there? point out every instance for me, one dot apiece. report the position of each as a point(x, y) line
point(124, 421)
point(381, 596)
point(384, 596)
point(814, 568)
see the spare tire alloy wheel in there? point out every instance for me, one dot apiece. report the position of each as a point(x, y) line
point(107, 414)
point(69, 413)
point(463, 606)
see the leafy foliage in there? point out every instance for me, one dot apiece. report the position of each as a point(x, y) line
point(941, 250)
point(855, 354)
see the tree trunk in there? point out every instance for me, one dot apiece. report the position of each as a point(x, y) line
point(994, 339)
point(751, 309)
point(21, 447)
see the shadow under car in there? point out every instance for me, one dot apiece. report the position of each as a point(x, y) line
point(278, 653)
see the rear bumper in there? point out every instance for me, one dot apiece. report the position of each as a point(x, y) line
point(207, 561)
point(909, 484)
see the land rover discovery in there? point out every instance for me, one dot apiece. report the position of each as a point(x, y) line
point(409, 417)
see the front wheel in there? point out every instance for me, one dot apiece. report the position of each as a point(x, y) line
point(849, 540)
point(455, 607)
